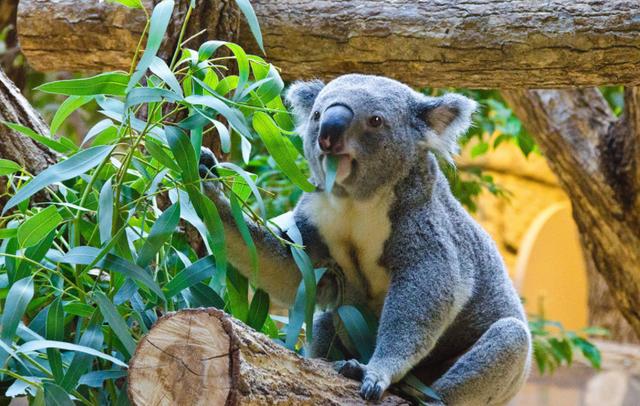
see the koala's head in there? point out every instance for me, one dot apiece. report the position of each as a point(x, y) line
point(376, 127)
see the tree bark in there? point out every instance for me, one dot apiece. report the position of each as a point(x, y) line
point(471, 43)
point(232, 364)
point(595, 157)
point(15, 108)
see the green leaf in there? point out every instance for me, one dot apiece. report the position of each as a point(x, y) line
point(238, 217)
point(55, 331)
point(204, 296)
point(157, 152)
point(55, 395)
point(79, 309)
point(117, 264)
point(160, 18)
point(237, 291)
point(96, 379)
point(416, 383)
point(96, 130)
point(249, 182)
point(19, 296)
point(8, 167)
point(105, 211)
point(67, 107)
point(273, 88)
point(259, 309)
point(39, 226)
point(35, 253)
point(80, 256)
point(116, 322)
point(91, 338)
point(589, 351)
point(209, 47)
point(160, 68)
point(234, 117)
point(252, 20)
point(141, 95)
point(51, 143)
point(37, 345)
point(184, 154)
point(6, 233)
point(111, 83)
point(280, 149)
point(208, 212)
point(332, 168)
point(191, 275)
point(160, 232)
point(128, 3)
point(358, 331)
point(70, 168)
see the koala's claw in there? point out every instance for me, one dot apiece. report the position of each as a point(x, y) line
point(373, 386)
point(351, 369)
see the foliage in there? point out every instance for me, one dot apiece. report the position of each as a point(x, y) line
point(87, 268)
point(553, 346)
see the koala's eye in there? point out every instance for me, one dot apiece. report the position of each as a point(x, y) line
point(375, 121)
point(316, 115)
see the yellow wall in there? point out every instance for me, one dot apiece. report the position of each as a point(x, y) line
point(535, 233)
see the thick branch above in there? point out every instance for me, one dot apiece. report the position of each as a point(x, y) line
point(205, 357)
point(471, 43)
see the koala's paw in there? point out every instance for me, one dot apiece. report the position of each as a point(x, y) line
point(351, 369)
point(373, 385)
point(207, 163)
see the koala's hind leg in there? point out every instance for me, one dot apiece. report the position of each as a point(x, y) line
point(493, 370)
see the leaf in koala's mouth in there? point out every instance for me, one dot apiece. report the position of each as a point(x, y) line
point(331, 170)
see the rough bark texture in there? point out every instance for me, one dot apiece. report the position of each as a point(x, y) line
point(471, 43)
point(603, 311)
point(595, 157)
point(229, 363)
point(15, 108)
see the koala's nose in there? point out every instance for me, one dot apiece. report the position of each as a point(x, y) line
point(335, 122)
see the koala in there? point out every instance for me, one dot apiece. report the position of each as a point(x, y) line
point(402, 246)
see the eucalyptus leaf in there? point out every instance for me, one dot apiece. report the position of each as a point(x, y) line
point(39, 226)
point(111, 83)
point(71, 104)
point(67, 169)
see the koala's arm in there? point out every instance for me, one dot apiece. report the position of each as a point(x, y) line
point(278, 274)
point(424, 297)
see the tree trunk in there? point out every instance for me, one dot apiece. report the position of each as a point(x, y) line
point(15, 108)
point(477, 44)
point(595, 157)
point(232, 364)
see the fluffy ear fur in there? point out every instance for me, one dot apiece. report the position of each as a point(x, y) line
point(300, 97)
point(447, 117)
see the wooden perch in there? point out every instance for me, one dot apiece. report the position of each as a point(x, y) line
point(205, 357)
point(477, 44)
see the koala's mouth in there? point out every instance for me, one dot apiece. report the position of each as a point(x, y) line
point(345, 166)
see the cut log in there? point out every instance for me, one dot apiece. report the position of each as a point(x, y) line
point(206, 357)
point(476, 44)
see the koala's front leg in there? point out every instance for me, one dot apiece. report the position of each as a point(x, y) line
point(277, 272)
point(419, 306)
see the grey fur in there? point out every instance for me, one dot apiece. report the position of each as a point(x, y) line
point(448, 311)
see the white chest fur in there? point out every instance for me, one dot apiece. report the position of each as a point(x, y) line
point(355, 232)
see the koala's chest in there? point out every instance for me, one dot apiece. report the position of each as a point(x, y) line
point(355, 233)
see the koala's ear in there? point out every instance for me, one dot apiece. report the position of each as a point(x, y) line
point(300, 97)
point(448, 116)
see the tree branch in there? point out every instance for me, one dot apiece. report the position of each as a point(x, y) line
point(230, 363)
point(478, 44)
